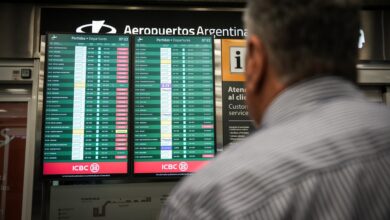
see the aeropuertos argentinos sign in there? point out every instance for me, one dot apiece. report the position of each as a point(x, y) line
point(219, 32)
point(99, 26)
point(220, 24)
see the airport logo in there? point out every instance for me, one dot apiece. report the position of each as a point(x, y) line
point(362, 39)
point(96, 27)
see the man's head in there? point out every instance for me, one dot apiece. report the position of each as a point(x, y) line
point(291, 40)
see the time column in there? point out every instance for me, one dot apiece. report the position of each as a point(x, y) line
point(107, 102)
point(94, 102)
point(193, 100)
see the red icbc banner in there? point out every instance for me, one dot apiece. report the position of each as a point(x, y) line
point(168, 167)
point(84, 168)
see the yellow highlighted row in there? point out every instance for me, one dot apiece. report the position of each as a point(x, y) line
point(166, 122)
point(166, 135)
point(79, 85)
point(121, 131)
point(78, 131)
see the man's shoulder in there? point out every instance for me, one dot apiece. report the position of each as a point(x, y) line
point(273, 158)
point(333, 130)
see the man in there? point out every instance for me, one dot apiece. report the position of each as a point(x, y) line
point(322, 150)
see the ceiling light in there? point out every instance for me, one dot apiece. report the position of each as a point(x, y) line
point(17, 91)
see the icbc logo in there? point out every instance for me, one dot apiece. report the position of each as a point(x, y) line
point(168, 166)
point(183, 166)
point(80, 168)
point(94, 168)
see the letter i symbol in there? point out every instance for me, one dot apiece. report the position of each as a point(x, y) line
point(238, 60)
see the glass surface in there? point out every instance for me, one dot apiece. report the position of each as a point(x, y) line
point(13, 124)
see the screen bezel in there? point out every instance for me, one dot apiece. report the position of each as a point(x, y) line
point(179, 175)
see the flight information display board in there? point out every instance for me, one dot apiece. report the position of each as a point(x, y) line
point(85, 127)
point(174, 110)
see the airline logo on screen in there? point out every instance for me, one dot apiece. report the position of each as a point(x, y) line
point(96, 27)
point(168, 167)
point(66, 168)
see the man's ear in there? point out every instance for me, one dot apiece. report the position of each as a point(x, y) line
point(256, 64)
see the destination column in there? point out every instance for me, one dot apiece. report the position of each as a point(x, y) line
point(59, 102)
point(147, 109)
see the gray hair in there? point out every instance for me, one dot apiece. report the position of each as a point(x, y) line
point(304, 38)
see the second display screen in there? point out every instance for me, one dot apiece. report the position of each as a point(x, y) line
point(174, 118)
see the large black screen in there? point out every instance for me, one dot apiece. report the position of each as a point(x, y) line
point(85, 128)
point(174, 113)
